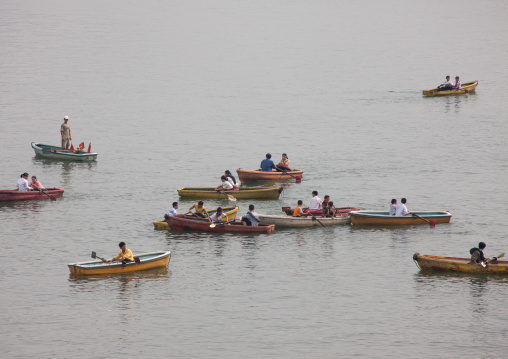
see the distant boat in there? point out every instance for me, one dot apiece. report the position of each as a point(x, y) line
point(383, 218)
point(454, 264)
point(339, 211)
point(57, 153)
point(289, 221)
point(228, 211)
point(15, 195)
point(258, 175)
point(201, 224)
point(467, 87)
point(142, 261)
point(242, 193)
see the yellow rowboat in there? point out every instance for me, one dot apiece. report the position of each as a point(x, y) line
point(142, 261)
point(228, 211)
point(241, 193)
point(258, 175)
point(384, 219)
point(454, 264)
point(467, 87)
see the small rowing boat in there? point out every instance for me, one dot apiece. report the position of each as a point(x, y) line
point(57, 153)
point(228, 211)
point(384, 219)
point(288, 221)
point(142, 261)
point(340, 211)
point(439, 263)
point(258, 175)
point(241, 193)
point(467, 87)
point(201, 224)
point(15, 195)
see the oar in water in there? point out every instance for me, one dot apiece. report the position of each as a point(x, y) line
point(315, 218)
point(47, 194)
point(230, 197)
point(432, 223)
point(297, 178)
point(94, 255)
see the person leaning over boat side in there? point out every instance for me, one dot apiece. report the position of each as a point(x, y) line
point(23, 183)
point(65, 132)
point(283, 165)
point(199, 210)
point(457, 83)
point(219, 216)
point(125, 254)
point(267, 164)
point(36, 185)
point(299, 211)
point(401, 209)
point(393, 207)
point(251, 218)
point(315, 201)
point(447, 85)
point(225, 185)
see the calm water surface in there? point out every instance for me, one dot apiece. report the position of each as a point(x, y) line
point(171, 94)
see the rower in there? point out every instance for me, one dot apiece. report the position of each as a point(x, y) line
point(125, 254)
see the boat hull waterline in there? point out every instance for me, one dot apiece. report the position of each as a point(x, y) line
point(242, 193)
point(248, 175)
point(230, 212)
point(384, 219)
point(56, 153)
point(199, 224)
point(15, 195)
point(455, 264)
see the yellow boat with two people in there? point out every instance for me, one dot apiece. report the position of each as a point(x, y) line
point(228, 211)
point(465, 88)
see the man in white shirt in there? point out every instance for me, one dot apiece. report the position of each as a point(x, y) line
point(401, 209)
point(219, 216)
point(23, 183)
point(447, 85)
point(225, 185)
point(315, 202)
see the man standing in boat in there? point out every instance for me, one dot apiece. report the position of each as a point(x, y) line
point(125, 254)
point(65, 132)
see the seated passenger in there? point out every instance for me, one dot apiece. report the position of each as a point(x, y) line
point(401, 209)
point(447, 85)
point(251, 218)
point(23, 183)
point(225, 185)
point(199, 210)
point(393, 207)
point(299, 211)
point(267, 164)
point(283, 165)
point(36, 185)
point(330, 210)
point(457, 82)
point(219, 216)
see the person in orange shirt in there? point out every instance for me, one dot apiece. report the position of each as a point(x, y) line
point(298, 212)
point(125, 254)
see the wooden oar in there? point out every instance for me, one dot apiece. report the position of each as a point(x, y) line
point(94, 255)
point(297, 178)
point(230, 197)
point(432, 223)
point(314, 217)
point(47, 194)
point(498, 256)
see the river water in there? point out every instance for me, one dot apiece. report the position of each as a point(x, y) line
point(171, 94)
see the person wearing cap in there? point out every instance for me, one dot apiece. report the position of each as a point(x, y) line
point(65, 132)
point(267, 164)
point(23, 183)
point(125, 254)
point(393, 207)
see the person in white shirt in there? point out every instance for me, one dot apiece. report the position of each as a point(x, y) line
point(447, 85)
point(23, 183)
point(219, 216)
point(401, 209)
point(251, 218)
point(225, 185)
point(315, 202)
point(457, 82)
point(393, 207)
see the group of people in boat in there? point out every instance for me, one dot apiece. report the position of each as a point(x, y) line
point(316, 204)
point(399, 209)
point(228, 182)
point(449, 85)
point(23, 184)
point(267, 165)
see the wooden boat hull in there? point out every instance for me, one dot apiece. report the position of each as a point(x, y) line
point(56, 153)
point(228, 211)
point(341, 211)
point(383, 219)
point(147, 261)
point(15, 195)
point(467, 87)
point(288, 221)
point(195, 224)
point(242, 193)
point(246, 175)
point(454, 264)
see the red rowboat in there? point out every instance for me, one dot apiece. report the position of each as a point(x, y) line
point(15, 195)
point(341, 211)
point(200, 224)
point(246, 175)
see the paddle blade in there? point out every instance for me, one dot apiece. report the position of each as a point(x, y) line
point(298, 179)
point(94, 255)
point(81, 146)
point(500, 256)
point(432, 223)
point(72, 147)
point(89, 147)
point(212, 225)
